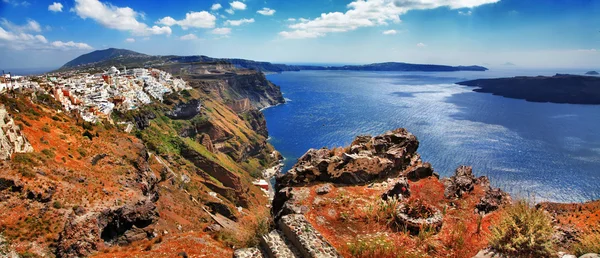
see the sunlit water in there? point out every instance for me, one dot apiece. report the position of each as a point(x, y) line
point(548, 151)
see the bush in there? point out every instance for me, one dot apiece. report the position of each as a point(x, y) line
point(46, 128)
point(57, 205)
point(523, 231)
point(380, 246)
point(587, 243)
point(49, 153)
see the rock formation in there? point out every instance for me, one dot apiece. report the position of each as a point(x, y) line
point(11, 138)
point(185, 110)
point(368, 158)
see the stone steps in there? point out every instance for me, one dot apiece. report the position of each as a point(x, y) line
point(296, 238)
point(276, 245)
point(251, 252)
point(306, 238)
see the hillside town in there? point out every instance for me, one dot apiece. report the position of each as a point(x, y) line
point(96, 96)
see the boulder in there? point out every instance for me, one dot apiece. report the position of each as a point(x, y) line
point(590, 255)
point(221, 208)
point(324, 189)
point(460, 183)
point(289, 200)
point(492, 200)
point(367, 159)
point(400, 190)
point(420, 171)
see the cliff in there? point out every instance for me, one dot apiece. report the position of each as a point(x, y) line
point(396, 66)
point(185, 173)
point(561, 88)
point(376, 198)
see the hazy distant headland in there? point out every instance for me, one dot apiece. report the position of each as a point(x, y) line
point(122, 57)
point(561, 88)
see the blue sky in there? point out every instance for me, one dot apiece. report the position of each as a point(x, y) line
point(527, 33)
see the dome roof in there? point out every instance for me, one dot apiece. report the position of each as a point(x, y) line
point(113, 70)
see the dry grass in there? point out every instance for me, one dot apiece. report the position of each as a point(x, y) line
point(524, 231)
point(589, 242)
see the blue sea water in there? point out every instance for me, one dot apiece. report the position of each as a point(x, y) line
point(543, 151)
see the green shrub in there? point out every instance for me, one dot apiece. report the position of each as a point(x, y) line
point(49, 153)
point(380, 246)
point(27, 172)
point(523, 231)
point(46, 128)
point(57, 205)
point(589, 242)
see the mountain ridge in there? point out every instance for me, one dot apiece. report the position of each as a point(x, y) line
point(123, 57)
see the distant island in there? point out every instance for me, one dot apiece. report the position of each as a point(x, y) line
point(592, 73)
point(561, 88)
point(123, 57)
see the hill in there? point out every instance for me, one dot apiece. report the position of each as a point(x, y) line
point(396, 66)
point(103, 55)
point(561, 88)
point(102, 59)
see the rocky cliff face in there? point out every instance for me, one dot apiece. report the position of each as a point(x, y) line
point(190, 168)
point(378, 192)
point(366, 159)
point(11, 138)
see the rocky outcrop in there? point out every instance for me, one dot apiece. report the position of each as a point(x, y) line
point(142, 119)
point(463, 181)
point(84, 234)
point(88, 229)
point(255, 86)
point(257, 121)
point(400, 190)
point(368, 158)
point(217, 171)
point(241, 105)
point(185, 110)
point(289, 201)
point(11, 138)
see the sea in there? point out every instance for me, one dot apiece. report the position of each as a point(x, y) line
point(538, 151)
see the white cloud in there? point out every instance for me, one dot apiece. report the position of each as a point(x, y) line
point(31, 25)
point(188, 37)
point(215, 7)
point(299, 34)
point(230, 11)
point(201, 19)
point(390, 32)
point(221, 31)
point(420, 44)
point(17, 3)
point(238, 22)
point(156, 30)
point(291, 19)
point(168, 21)
point(113, 17)
point(467, 13)
point(26, 41)
point(41, 38)
point(266, 11)
point(55, 7)
point(237, 5)
point(369, 13)
point(130, 40)
point(70, 44)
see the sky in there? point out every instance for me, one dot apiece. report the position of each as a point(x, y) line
point(493, 33)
